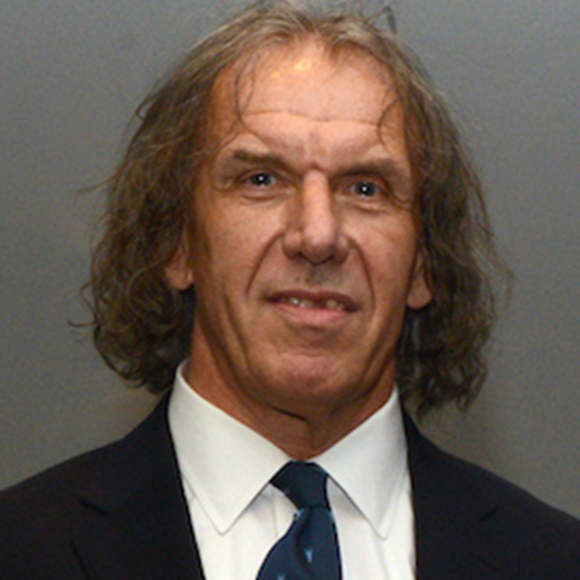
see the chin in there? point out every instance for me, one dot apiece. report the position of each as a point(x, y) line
point(310, 387)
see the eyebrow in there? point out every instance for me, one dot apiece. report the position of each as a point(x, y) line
point(247, 157)
point(384, 167)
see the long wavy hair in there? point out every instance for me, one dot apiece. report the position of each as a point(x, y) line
point(142, 326)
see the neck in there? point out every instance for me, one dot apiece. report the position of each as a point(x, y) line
point(302, 429)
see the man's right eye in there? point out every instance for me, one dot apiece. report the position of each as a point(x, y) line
point(262, 179)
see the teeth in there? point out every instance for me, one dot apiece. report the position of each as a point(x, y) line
point(301, 302)
point(305, 303)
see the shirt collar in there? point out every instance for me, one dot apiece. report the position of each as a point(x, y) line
point(370, 465)
point(227, 465)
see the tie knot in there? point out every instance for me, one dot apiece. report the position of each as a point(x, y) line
point(303, 483)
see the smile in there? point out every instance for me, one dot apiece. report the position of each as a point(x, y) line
point(318, 300)
point(329, 304)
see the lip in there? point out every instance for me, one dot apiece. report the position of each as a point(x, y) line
point(318, 313)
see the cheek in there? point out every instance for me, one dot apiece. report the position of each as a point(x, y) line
point(390, 255)
point(232, 245)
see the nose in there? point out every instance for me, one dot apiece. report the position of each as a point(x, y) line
point(315, 226)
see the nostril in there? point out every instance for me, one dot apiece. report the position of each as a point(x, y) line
point(318, 247)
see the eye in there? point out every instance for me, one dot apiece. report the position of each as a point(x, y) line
point(365, 188)
point(262, 179)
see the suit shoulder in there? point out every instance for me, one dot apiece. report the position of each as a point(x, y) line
point(42, 518)
point(67, 473)
point(50, 501)
point(498, 519)
point(479, 484)
point(519, 502)
point(548, 538)
point(34, 509)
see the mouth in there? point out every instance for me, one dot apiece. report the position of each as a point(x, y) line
point(329, 301)
point(329, 304)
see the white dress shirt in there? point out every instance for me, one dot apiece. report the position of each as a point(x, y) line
point(238, 515)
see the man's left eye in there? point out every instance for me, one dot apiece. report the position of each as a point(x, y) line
point(365, 188)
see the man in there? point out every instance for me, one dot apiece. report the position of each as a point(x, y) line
point(295, 219)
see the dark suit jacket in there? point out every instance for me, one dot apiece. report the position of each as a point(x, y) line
point(119, 513)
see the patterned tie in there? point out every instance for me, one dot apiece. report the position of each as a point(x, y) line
point(309, 550)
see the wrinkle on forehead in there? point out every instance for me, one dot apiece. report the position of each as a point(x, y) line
point(311, 138)
point(305, 83)
point(260, 84)
point(389, 102)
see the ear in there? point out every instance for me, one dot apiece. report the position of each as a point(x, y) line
point(178, 270)
point(419, 292)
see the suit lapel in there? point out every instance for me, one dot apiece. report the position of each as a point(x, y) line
point(457, 536)
point(137, 520)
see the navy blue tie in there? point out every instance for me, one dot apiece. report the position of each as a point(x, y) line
point(309, 549)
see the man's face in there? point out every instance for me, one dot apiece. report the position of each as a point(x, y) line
point(304, 256)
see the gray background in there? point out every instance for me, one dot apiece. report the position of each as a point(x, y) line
point(72, 71)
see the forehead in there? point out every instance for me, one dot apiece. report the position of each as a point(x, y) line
point(303, 79)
